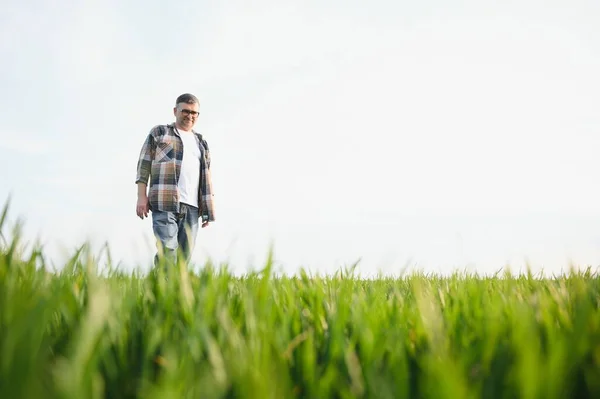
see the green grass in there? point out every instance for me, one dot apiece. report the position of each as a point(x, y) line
point(176, 334)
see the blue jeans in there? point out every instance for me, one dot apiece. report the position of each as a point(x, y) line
point(175, 232)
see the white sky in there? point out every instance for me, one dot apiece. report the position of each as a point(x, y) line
point(436, 135)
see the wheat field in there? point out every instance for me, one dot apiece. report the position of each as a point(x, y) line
point(173, 333)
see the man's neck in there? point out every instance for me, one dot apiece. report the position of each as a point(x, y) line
point(181, 129)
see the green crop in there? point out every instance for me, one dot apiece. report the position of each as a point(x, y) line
point(84, 332)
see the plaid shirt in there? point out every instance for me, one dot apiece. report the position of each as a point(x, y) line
point(160, 162)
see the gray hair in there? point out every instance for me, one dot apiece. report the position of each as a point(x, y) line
point(187, 98)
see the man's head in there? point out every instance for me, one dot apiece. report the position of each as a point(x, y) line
point(186, 111)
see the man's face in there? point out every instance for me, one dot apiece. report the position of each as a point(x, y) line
point(186, 115)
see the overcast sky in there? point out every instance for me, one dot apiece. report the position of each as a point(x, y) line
point(431, 134)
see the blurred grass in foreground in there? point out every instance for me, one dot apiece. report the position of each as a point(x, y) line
point(175, 334)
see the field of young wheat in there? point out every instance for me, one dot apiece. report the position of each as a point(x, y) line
point(171, 333)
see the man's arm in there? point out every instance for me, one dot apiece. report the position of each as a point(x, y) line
point(144, 166)
point(143, 204)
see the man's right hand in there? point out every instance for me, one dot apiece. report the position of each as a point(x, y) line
point(143, 207)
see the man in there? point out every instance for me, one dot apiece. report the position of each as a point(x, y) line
point(175, 159)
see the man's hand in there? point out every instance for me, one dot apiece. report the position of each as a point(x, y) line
point(143, 207)
point(204, 224)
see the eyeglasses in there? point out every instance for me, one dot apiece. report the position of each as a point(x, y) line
point(190, 112)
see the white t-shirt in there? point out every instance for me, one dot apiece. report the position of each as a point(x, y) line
point(190, 169)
